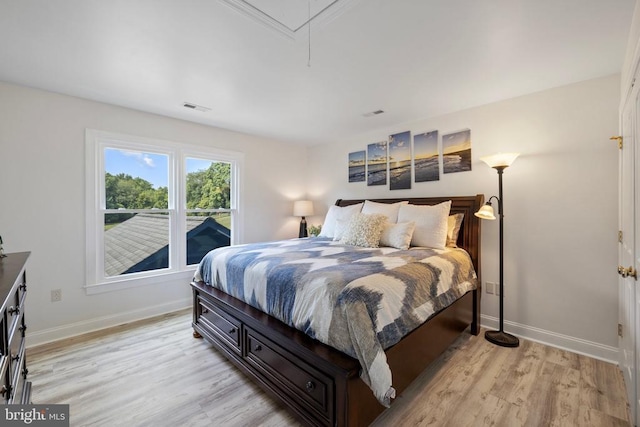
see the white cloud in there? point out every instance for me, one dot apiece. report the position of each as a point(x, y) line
point(148, 161)
point(142, 158)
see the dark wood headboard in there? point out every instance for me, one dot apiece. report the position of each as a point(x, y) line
point(469, 237)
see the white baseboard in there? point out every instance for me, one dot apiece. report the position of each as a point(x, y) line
point(92, 325)
point(553, 339)
point(564, 342)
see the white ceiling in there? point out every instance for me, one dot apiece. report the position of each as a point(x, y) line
point(413, 59)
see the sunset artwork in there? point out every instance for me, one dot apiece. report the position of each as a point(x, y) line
point(357, 166)
point(400, 161)
point(377, 163)
point(456, 152)
point(426, 157)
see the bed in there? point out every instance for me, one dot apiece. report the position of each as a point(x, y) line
point(319, 384)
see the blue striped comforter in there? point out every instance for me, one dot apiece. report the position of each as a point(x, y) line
point(357, 300)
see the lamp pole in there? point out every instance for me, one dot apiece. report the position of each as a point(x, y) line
point(500, 337)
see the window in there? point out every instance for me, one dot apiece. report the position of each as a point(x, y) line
point(155, 208)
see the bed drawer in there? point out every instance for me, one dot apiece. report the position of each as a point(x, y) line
point(309, 387)
point(224, 326)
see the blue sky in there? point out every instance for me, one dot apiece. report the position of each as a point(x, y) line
point(425, 144)
point(377, 152)
point(357, 158)
point(148, 166)
point(400, 146)
point(458, 141)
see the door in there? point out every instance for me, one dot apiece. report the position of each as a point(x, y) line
point(634, 252)
point(628, 297)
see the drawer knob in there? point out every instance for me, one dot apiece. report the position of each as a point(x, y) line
point(257, 348)
point(14, 310)
point(3, 390)
point(310, 386)
point(23, 287)
point(232, 331)
point(204, 310)
point(15, 358)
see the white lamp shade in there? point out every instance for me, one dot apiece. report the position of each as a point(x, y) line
point(500, 159)
point(303, 208)
point(485, 212)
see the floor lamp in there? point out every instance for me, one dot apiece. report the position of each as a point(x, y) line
point(499, 162)
point(303, 208)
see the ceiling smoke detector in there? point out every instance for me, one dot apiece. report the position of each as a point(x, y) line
point(193, 106)
point(373, 113)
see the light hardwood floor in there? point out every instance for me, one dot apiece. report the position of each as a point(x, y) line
point(154, 373)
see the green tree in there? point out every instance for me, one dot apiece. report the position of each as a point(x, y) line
point(206, 189)
point(210, 188)
point(126, 192)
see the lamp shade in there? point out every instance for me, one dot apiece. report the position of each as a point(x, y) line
point(500, 159)
point(303, 208)
point(485, 212)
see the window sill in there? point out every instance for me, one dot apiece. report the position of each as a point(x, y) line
point(184, 276)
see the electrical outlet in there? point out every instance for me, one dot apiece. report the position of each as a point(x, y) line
point(56, 295)
point(492, 288)
point(489, 287)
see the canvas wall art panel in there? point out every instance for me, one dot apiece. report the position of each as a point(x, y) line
point(426, 157)
point(456, 152)
point(400, 161)
point(377, 163)
point(357, 166)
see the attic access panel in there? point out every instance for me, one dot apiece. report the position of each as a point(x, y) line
point(289, 16)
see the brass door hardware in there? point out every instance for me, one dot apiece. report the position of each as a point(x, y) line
point(628, 272)
point(619, 139)
point(622, 271)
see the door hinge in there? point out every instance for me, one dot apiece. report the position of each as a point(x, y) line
point(619, 139)
point(620, 330)
point(620, 236)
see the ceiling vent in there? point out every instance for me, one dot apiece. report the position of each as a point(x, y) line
point(373, 113)
point(196, 107)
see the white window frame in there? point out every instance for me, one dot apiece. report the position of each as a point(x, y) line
point(95, 143)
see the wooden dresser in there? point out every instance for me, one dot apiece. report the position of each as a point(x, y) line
point(14, 387)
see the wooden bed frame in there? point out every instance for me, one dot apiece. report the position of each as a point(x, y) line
point(318, 384)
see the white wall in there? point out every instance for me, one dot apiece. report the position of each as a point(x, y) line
point(560, 204)
point(42, 203)
point(560, 207)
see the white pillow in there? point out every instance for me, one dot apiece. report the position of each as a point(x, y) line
point(341, 226)
point(390, 210)
point(337, 213)
point(397, 235)
point(431, 223)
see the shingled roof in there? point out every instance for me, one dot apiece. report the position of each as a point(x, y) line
point(141, 242)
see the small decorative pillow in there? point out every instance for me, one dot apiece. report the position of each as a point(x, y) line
point(454, 224)
point(397, 235)
point(431, 223)
point(388, 209)
point(364, 230)
point(337, 213)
